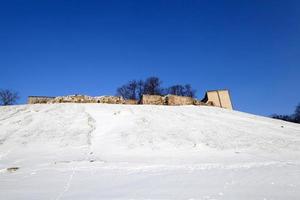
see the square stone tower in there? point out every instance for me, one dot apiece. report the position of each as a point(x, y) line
point(219, 98)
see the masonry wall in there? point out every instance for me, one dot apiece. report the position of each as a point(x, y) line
point(153, 99)
point(219, 98)
point(213, 98)
point(130, 101)
point(73, 99)
point(179, 100)
point(225, 99)
point(110, 100)
point(39, 99)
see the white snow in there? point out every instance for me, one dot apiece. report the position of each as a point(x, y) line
point(101, 151)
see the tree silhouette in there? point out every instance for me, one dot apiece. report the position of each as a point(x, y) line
point(8, 97)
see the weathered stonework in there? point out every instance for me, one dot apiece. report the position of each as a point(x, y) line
point(179, 100)
point(109, 100)
point(131, 102)
point(73, 99)
point(87, 99)
point(153, 99)
point(39, 99)
point(199, 103)
point(219, 98)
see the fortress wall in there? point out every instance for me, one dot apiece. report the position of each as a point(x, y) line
point(179, 100)
point(130, 101)
point(73, 99)
point(214, 98)
point(109, 100)
point(219, 98)
point(153, 99)
point(39, 99)
point(200, 103)
point(225, 99)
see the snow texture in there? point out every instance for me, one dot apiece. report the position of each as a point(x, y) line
point(101, 151)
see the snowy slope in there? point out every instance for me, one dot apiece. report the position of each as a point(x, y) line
point(99, 151)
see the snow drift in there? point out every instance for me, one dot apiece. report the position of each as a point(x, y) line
point(101, 151)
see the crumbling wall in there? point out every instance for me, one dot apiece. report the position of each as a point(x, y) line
point(153, 99)
point(200, 103)
point(218, 98)
point(130, 101)
point(88, 99)
point(39, 99)
point(109, 100)
point(179, 100)
point(212, 98)
point(73, 99)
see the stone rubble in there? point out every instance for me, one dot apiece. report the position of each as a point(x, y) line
point(173, 100)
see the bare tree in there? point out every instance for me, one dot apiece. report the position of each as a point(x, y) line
point(8, 97)
point(136, 88)
point(189, 92)
point(182, 90)
point(175, 90)
point(132, 90)
point(152, 86)
point(140, 89)
point(297, 114)
point(287, 118)
point(290, 118)
point(126, 91)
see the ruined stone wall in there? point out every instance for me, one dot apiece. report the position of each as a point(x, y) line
point(39, 99)
point(131, 101)
point(179, 100)
point(88, 99)
point(172, 100)
point(73, 99)
point(225, 99)
point(109, 100)
point(220, 99)
point(153, 100)
point(200, 103)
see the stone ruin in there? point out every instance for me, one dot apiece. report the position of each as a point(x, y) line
point(39, 99)
point(179, 100)
point(219, 98)
point(153, 100)
point(172, 100)
point(146, 99)
point(79, 99)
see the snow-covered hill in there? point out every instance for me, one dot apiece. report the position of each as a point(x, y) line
point(100, 151)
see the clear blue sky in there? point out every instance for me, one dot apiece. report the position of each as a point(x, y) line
point(92, 47)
